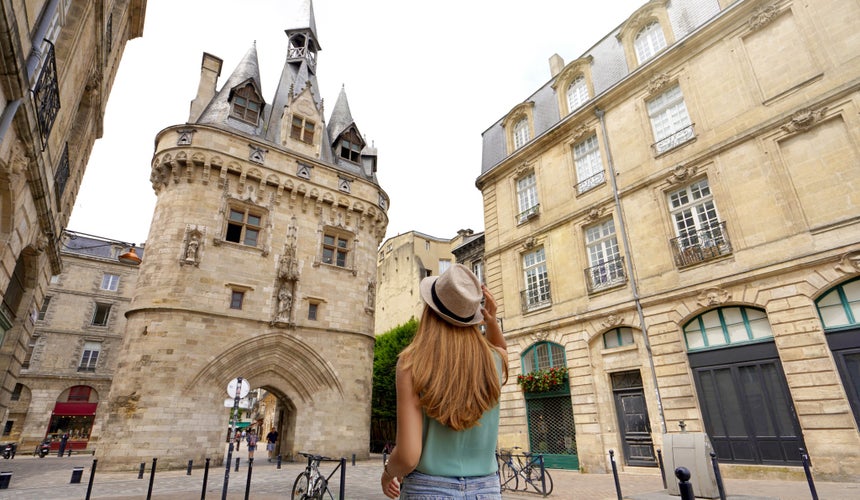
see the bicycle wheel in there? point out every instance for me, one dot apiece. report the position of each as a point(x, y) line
point(300, 487)
point(321, 491)
point(534, 480)
point(508, 477)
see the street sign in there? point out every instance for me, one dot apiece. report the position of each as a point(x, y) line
point(243, 403)
point(243, 389)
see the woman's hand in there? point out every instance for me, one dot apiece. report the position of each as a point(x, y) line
point(390, 485)
point(489, 308)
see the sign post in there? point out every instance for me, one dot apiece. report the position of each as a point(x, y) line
point(238, 388)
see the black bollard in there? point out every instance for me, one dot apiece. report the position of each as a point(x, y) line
point(205, 478)
point(279, 461)
point(69, 453)
point(248, 481)
point(662, 469)
point(683, 474)
point(92, 475)
point(142, 468)
point(804, 457)
point(151, 479)
point(342, 489)
point(188, 473)
point(237, 464)
point(615, 474)
point(718, 476)
point(353, 459)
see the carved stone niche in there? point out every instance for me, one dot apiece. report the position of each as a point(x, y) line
point(192, 248)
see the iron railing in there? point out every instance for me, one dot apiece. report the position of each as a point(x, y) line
point(537, 297)
point(605, 274)
point(674, 140)
point(528, 213)
point(47, 95)
point(591, 182)
point(704, 244)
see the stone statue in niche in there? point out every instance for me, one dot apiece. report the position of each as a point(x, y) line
point(371, 294)
point(285, 303)
point(192, 251)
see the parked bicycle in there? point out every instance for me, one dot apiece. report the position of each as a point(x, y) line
point(525, 465)
point(311, 484)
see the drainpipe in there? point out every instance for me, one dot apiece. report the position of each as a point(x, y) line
point(635, 289)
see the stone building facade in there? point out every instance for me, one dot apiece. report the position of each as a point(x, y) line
point(59, 61)
point(673, 220)
point(71, 357)
point(261, 264)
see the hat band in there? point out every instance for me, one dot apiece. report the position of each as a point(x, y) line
point(444, 310)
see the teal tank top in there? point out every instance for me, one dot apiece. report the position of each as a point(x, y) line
point(466, 453)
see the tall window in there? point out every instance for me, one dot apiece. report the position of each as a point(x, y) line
point(694, 213)
point(521, 133)
point(727, 325)
point(313, 308)
point(90, 357)
point(101, 315)
point(577, 93)
point(605, 264)
point(335, 249)
point(527, 196)
point(537, 291)
point(302, 129)
point(246, 105)
point(478, 269)
point(110, 282)
point(543, 356)
point(669, 119)
point(44, 309)
point(589, 166)
point(243, 226)
point(649, 41)
point(237, 298)
point(444, 265)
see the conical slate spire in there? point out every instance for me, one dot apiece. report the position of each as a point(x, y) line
point(341, 117)
point(247, 71)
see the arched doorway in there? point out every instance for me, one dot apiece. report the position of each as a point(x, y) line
point(746, 405)
point(839, 310)
point(549, 411)
point(73, 414)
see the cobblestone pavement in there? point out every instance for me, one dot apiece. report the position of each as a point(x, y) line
point(49, 478)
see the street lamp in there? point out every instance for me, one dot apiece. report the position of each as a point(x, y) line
point(87, 243)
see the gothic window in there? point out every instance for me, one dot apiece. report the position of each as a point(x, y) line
point(246, 104)
point(244, 226)
point(335, 248)
point(302, 129)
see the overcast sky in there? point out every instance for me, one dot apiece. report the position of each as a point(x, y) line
point(424, 81)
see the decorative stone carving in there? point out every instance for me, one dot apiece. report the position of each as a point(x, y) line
point(710, 297)
point(257, 154)
point(611, 321)
point(539, 336)
point(18, 160)
point(530, 243)
point(285, 302)
point(849, 263)
point(681, 173)
point(595, 213)
point(762, 16)
point(803, 120)
point(371, 296)
point(657, 83)
point(193, 248)
point(186, 136)
point(580, 131)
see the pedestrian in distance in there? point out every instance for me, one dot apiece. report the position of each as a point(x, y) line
point(271, 441)
point(448, 384)
point(238, 439)
point(64, 439)
point(251, 437)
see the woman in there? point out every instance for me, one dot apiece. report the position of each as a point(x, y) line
point(448, 384)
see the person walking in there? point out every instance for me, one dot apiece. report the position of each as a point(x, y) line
point(64, 439)
point(251, 437)
point(448, 384)
point(238, 439)
point(271, 441)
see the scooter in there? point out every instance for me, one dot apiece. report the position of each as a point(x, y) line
point(9, 450)
point(43, 449)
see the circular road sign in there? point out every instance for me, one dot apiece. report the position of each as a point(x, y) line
point(233, 386)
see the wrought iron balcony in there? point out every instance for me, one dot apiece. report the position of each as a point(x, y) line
point(677, 138)
point(47, 95)
point(537, 297)
point(528, 213)
point(591, 183)
point(605, 275)
point(698, 246)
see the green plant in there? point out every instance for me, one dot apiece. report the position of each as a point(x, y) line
point(542, 380)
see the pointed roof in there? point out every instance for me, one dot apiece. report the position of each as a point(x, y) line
point(248, 70)
point(341, 117)
point(304, 20)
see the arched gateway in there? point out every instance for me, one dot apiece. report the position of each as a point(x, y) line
point(261, 264)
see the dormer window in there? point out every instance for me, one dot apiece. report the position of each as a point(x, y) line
point(302, 129)
point(246, 105)
point(350, 147)
point(649, 41)
point(577, 93)
point(521, 133)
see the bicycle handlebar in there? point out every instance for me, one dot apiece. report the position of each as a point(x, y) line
point(316, 458)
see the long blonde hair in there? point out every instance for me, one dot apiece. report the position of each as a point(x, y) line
point(453, 371)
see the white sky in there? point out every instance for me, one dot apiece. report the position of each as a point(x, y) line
point(424, 81)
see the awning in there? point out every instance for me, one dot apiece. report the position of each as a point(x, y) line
point(71, 409)
point(242, 425)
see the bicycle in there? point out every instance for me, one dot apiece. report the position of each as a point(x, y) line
point(311, 484)
point(529, 469)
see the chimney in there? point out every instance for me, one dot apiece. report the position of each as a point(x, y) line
point(210, 70)
point(556, 64)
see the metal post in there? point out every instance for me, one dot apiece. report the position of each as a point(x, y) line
point(248, 481)
point(237, 464)
point(342, 490)
point(205, 478)
point(683, 474)
point(92, 475)
point(151, 479)
point(353, 459)
point(615, 474)
point(542, 476)
point(279, 461)
point(190, 462)
point(662, 469)
point(232, 434)
point(140, 472)
point(804, 457)
point(718, 476)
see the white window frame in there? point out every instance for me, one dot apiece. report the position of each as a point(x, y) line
point(649, 41)
point(527, 197)
point(693, 212)
point(110, 282)
point(589, 164)
point(670, 121)
point(521, 133)
point(577, 93)
point(604, 256)
point(90, 356)
point(536, 278)
point(444, 265)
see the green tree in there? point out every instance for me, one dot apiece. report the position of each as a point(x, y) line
point(384, 394)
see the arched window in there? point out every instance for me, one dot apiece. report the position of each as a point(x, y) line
point(725, 326)
point(840, 307)
point(521, 133)
point(649, 41)
point(543, 356)
point(577, 93)
point(618, 337)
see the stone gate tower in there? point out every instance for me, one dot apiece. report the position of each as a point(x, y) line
point(261, 264)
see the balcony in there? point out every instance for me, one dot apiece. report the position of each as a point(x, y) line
point(605, 275)
point(698, 246)
point(528, 214)
point(590, 183)
point(536, 297)
point(677, 138)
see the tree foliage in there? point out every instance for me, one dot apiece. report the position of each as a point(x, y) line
point(385, 351)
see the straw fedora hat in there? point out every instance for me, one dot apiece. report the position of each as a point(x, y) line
point(455, 295)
